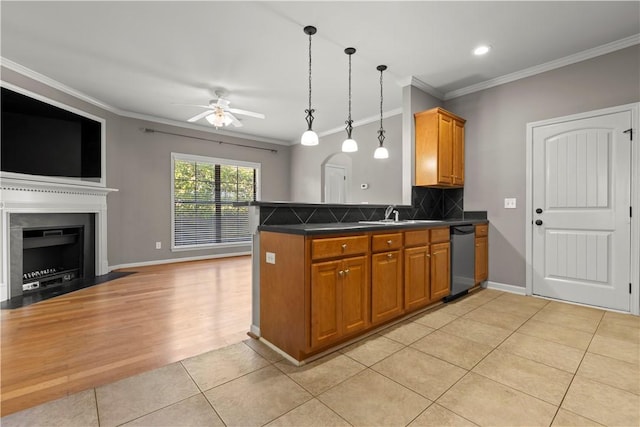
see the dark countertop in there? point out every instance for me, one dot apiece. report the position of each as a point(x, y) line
point(357, 227)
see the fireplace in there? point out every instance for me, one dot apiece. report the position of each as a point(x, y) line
point(50, 250)
point(57, 211)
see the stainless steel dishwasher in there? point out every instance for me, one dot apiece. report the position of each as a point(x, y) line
point(463, 260)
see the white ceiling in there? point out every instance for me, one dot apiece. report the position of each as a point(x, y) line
point(144, 57)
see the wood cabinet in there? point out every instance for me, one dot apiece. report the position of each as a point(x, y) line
point(439, 149)
point(339, 291)
point(339, 299)
point(319, 291)
point(440, 270)
point(427, 267)
point(417, 273)
point(386, 277)
point(482, 253)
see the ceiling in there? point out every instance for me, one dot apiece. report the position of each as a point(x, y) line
point(144, 58)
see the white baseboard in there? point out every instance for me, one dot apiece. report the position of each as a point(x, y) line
point(174, 260)
point(520, 290)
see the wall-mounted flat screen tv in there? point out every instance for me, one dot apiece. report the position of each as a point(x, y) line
point(43, 140)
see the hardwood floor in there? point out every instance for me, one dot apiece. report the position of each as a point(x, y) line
point(94, 336)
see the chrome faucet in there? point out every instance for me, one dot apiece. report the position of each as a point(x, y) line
point(391, 210)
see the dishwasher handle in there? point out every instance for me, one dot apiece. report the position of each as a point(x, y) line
point(463, 229)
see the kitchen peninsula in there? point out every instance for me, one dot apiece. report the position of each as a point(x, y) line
point(324, 274)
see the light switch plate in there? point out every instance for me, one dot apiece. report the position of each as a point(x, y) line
point(510, 203)
point(270, 258)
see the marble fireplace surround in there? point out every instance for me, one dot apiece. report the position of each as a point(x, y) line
point(27, 196)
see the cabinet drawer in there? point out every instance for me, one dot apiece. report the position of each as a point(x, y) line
point(482, 230)
point(439, 235)
point(339, 246)
point(385, 242)
point(416, 238)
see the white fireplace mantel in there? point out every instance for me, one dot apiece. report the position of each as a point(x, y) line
point(30, 196)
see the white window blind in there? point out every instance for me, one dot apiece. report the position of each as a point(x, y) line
point(204, 190)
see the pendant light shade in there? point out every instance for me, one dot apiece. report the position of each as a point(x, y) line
point(349, 145)
point(309, 137)
point(381, 152)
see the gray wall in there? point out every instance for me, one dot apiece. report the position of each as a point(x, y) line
point(413, 101)
point(139, 166)
point(384, 176)
point(496, 141)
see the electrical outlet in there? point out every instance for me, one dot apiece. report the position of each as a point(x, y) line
point(270, 258)
point(158, 245)
point(510, 203)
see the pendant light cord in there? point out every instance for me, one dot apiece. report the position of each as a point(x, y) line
point(310, 31)
point(349, 51)
point(381, 100)
point(310, 73)
point(381, 68)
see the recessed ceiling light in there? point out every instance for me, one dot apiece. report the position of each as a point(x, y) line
point(481, 50)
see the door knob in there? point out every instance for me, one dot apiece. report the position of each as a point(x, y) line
point(538, 222)
point(538, 211)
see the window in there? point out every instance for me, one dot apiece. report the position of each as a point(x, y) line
point(204, 190)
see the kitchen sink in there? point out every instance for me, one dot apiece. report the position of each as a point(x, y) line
point(401, 222)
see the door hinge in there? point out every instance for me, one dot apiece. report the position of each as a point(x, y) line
point(629, 287)
point(630, 212)
point(630, 132)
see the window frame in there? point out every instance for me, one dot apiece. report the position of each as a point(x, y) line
point(215, 161)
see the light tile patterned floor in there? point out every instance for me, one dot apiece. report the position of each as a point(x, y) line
point(491, 358)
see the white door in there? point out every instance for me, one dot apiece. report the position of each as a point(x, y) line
point(581, 215)
point(335, 180)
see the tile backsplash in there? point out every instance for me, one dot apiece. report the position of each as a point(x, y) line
point(427, 203)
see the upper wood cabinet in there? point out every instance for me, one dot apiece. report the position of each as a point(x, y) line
point(439, 149)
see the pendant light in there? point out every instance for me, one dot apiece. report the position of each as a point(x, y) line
point(309, 137)
point(349, 145)
point(381, 152)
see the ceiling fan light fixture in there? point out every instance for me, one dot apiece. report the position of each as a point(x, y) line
point(309, 137)
point(349, 145)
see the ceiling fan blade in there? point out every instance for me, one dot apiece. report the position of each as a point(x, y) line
point(246, 113)
point(200, 115)
point(234, 121)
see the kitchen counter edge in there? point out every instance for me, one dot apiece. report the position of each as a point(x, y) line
point(356, 227)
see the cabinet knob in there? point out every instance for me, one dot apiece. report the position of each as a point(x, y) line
point(428, 255)
point(389, 256)
point(389, 242)
point(344, 246)
point(346, 271)
point(340, 273)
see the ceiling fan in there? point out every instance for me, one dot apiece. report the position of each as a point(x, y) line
point(219, 114)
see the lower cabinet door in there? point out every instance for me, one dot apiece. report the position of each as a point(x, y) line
point(482, 259)
point(440, 270)
point(386, 286)
point(354, 313)
point(326, 302)
point(417, 267)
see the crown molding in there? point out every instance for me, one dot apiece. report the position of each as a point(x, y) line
point(417, 83)
point(41, 78)
point(547, 66)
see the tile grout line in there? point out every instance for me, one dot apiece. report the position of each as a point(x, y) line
point(201, 391)
point(576, 373)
